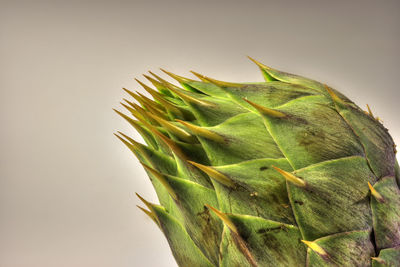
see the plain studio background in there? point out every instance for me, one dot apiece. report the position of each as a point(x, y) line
point(67, 184)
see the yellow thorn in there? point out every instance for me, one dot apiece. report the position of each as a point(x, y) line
point(150, 101)
point(180, 79)
point(370, 112)
point(135, 149)
point(156, 83)
point(134, 105)
point(146, 87)
point(138, 112)
point(141, 114)
point(200, 131)
point(182, 134)
point(186, 97)
point(376, 193)
point(157, 96)
point(220, 83)
point(154, 110)
point(162, 179)
point(266, 111)
point(216, 175)
point(160, 79)
point(259, 64)
point(135, 144)
point(169, 142)
point(129, 102)
point(130, 109)
point(136, 97)
point(123, 115)
point(148, 204)
point(132, 122)
point(315, 247)
point(291, 178)
point(149, 213)
point(127, 118)
point(336, 99)
point(129, 92)
point(200, 76)
point(224, 219)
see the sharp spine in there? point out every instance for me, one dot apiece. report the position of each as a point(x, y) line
point(154, 110)
point(200, 76)
point(266, 71)
point(162, 180)
point(179, 132)
point(200, 131)
point(135, 144)
point(291, 178)
point(139, 113)
point(216, 175)
point(259, 64)
point(156, 83)
point(339, 103)
point(218, 82)
point(178, 78)
point(128, 119)
point(149, 213)
point(130, 109)
point(316, 248)
point(186, 97)
point(150, 101)
point(135, 96)
point(375, 193)
point(169, 142)
point(160, 79)
point(157, 96)
point(137, 126)
point(370, 112)
point(266, 111)
point(148, 205)
point(131, 147)
point(225, 219)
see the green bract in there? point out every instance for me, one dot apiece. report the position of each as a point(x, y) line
point(287, 172)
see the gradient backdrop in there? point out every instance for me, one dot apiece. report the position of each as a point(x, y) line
point(67, 184)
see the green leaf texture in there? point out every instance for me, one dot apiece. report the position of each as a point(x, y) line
point(286, 172)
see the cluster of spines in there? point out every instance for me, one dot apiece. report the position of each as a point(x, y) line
point(164, 122)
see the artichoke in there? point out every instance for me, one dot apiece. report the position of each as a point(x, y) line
point(286, 172)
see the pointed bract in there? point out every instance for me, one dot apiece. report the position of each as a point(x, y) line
point(340, 104)
point(179, 132)
point(178, 78)
point(148, 213)
point(375, 193)
point(187, 97)
point(200, 76)
point(201, 131)
point(266, 111)
point(162, 179)
point(291, 178)
point(316, 248)
point(258, 63)
point(264, 69)
point(220, 83)
point(224, 219)
point(216, 175)
point(248, 172)
point(161, 79)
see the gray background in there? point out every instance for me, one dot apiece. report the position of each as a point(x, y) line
point(67, 184)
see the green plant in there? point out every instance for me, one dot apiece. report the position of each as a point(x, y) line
point(286, 172)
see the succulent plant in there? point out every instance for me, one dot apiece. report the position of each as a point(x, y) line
point(286, 172)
